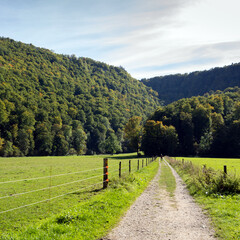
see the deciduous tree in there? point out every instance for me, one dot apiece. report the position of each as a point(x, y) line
point(133, 133)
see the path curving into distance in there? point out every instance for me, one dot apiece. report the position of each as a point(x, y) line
point(155, 216)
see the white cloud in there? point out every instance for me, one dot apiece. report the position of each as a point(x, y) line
point(148, 38)
point(188, 59)
point(196, 36)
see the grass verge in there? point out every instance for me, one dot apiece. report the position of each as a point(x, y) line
point(91, 219)
point(216, 193)
point(225, 214)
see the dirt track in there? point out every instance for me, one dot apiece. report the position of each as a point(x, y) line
point(156, 216)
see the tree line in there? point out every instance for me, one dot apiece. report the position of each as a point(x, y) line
point(52, 104)
point(205, 126)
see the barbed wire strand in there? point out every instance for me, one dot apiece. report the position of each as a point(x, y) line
point(45, 200)
point(37, 190)
point(29, 179)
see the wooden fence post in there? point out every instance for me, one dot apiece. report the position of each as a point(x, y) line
point(105, 173)
point(120, 169)
point(146, 161)
point(225, 170)
point(138, 165)
point(129, 166)
point(142, 163)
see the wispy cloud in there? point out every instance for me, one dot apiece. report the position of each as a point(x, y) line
point(190, 58)
point(148, 38)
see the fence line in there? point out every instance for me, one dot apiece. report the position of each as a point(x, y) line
point(126, 168)
point(49, 199)
point(29, 179)
point(46, 188)
point(105, 168)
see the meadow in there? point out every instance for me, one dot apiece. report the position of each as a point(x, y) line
point(35, 188)
point(233, 165)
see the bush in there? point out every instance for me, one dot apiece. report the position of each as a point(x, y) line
point(226, 184)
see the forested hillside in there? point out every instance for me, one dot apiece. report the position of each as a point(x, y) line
point(53, 104)
point(205, 125)
point(174, 87)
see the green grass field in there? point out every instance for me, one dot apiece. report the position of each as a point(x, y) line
point(28, 180)
point(233, 165)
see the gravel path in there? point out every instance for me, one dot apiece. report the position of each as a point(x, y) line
point(155, 215)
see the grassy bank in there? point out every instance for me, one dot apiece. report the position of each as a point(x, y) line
point(93, 217)
point(215, 192)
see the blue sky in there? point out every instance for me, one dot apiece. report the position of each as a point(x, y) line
point(146, 37)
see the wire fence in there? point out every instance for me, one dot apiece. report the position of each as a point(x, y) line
point(49, 199)
point(89, 179)
point(37, 178)
point(50, 187)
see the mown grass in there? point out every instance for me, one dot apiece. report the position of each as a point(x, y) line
point(25, 168)
point(222, 203)
point(85, 214)
point(167, 180)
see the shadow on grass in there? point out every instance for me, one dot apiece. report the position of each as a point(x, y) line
point(88, 191)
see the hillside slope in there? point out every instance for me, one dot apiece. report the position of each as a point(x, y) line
point(174, 87)
point(53, 104)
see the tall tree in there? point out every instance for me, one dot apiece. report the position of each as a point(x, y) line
point(79, 141)
point(201, 120)
point(133, 133)
point(111, 144)
point(43, 140)
point(186, 134)
point(60, 145)
point(159, 139)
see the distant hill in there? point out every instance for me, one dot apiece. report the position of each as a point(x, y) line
point(53, 104)
point(174, 87)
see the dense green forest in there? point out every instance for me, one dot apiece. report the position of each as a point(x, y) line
point(174, 87)
point(53, 104)
point(206, 125)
